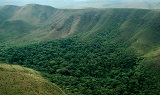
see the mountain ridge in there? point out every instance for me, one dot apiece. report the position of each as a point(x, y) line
point(137, 5)
point(47, 23)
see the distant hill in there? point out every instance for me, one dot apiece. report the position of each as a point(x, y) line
point(17, 80)
point(137, 5)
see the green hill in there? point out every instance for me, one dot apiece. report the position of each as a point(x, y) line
point(86, 51)
point(7, 12)
point(34, 23)
point(13, 31)
point(34, 14)
point(17, 80)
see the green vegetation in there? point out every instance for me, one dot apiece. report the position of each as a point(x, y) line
point(7, 12)
point(137, 27)
point(17, 80)
point(86, 52)
point(34, 23)
point(91, 68)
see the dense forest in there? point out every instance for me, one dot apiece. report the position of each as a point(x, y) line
point(95, 67)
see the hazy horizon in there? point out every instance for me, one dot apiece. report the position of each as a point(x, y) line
point(67, 3)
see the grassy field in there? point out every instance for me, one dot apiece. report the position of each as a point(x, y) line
point(17, 80)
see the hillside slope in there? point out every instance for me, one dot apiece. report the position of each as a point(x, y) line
point(17, 80)
point(7, 12)
point(34, 23)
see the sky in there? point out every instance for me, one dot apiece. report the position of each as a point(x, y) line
point(65, 3)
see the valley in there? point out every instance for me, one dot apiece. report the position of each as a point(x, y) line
point(85, 51)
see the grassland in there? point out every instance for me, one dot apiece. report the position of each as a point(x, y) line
point(17, 80)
